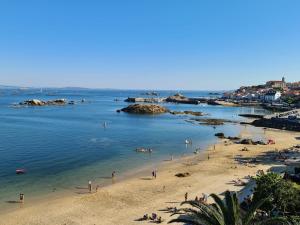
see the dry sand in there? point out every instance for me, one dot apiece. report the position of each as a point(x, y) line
point(127, 200)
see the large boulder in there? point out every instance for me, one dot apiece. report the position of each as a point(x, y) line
point(33, 102)
point(145, 109)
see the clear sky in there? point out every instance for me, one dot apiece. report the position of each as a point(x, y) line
point(152, 44)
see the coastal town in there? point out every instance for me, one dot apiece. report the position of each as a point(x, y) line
point(275, 94)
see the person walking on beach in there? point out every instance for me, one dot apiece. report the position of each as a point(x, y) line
point(90, 186)
point(186, 196)
point(113, 174)
point(153, 174)
point(21, 198)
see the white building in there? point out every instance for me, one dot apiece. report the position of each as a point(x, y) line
point(272, 96)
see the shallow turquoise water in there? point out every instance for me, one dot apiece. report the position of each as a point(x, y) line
point(62, 147)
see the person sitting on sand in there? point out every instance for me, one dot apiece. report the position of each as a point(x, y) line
point(146, 217)
point(159, 220)
point(154, 216)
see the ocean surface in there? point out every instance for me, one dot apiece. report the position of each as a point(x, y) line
point(63, 147)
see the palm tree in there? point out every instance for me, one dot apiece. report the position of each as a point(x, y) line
point(227, 212)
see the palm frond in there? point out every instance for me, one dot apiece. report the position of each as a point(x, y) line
point(251, 212)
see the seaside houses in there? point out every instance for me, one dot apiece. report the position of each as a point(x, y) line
point(272, 96)
point(274, 93)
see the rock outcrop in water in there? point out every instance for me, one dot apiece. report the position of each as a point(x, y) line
point(37, 102)
point(212, 121)
point(187, 113)
point(278, 123)
point(145, 109)
point(179, 98)
point(147, 100)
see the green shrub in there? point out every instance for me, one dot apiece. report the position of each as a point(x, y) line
point(283, 196)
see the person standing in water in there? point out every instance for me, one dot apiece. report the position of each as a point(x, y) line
point(113, 174)
point(90, 186)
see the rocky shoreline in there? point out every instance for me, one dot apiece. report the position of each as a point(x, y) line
point(278, 123)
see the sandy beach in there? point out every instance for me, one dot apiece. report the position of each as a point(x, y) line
point(128, 200)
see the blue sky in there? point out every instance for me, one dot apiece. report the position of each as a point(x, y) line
point(152, 44)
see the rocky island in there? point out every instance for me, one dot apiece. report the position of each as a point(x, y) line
point(145, 109)
point(37, 102)
point(179, 98)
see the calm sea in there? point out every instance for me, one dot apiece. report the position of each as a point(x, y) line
point(63, 147)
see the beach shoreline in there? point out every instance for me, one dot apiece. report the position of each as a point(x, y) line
point(105, 182)
point(140, 194)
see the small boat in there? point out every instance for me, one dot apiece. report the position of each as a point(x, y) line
point(143, 150)
point(20, 171)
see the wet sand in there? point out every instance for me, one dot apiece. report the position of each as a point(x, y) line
point(127, 200)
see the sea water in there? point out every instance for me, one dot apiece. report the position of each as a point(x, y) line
point(63, 147)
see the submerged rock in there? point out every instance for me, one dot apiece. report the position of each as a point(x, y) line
point(145, 109)
point(214, 122)
point(187, 113)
